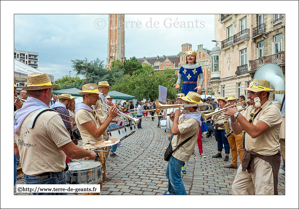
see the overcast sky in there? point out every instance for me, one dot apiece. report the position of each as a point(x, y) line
point(61, 38)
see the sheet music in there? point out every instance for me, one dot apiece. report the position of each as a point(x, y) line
point(162, 93)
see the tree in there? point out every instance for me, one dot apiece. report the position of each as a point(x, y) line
point(131, 65)
point(68, 82)
point(117, 64)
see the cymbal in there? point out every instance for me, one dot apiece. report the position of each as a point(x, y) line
point(107, 143)
point(89, 147)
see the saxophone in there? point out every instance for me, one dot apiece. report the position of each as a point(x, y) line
point(227, 129)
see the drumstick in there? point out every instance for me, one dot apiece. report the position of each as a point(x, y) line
point(77, 161)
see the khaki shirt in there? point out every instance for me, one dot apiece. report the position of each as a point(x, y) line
point(83, 116)
point(267, 143)
point(187, 128)
point(39, 147)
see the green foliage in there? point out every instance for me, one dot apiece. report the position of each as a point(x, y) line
point(68, 82)
point(117, 64)
point(131, 65)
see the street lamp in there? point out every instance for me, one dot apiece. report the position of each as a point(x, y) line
point(86, 72)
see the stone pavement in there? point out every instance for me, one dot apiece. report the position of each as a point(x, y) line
point(139, 168)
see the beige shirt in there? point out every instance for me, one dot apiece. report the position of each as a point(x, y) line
point(72, 115)
point(83, 116)
point(267, 143)
point(39, 147)
point(187, 128)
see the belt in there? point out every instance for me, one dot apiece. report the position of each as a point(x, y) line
point(45, 175)
point(190, 82)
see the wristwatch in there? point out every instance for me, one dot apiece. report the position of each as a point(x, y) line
point(236, 114)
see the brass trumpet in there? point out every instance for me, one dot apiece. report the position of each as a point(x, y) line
point(206, 116)
point(168, 106)
point(17, 99)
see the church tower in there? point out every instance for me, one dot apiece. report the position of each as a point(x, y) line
point(116, 38)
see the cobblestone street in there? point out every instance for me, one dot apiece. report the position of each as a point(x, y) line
point(139, 168)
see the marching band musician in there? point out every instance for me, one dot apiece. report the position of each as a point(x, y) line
point(190, 74)
point(219, 132)
point(88, 122)
point(261, 121)
point(44, 144)
point(235, 140)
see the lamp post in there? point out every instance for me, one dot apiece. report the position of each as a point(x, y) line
point(86, 71)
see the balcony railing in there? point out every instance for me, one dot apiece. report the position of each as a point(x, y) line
point(242, 70)
point(277, 20)
point(34, 65)
point(31, 58)
point(227, 42)
point(278, 58)
point(243, 34)
point(21, 57)
point(223, 17)
point(260, 29)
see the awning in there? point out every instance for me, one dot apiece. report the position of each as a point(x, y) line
point(71, 91)
point(22, 70)
point(119, 95)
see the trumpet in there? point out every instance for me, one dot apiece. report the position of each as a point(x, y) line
point(149, 110)
point(120, 114)
point(17, 99)
point(206, 116)
point(168, 106)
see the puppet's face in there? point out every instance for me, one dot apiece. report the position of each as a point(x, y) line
point(190, 59)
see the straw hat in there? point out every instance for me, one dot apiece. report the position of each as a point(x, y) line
point(223, 99)
point(108, 97)
point(192, 97)
point(90, 88)
point(38, 81)
point(103, 84)
point(258, 85)
point(180, 95)
point(65, 96)
point(231, 98)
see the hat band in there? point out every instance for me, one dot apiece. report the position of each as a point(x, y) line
point(92, 91)
point(42, 84)
point(191, 100)
point(260, 87)
point(103, 85)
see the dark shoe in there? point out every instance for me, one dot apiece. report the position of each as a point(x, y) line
point(218, 155)
point(230, 166)
point(113, 154)
point(226, 158)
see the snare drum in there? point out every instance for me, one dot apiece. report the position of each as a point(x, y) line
point(87, 172)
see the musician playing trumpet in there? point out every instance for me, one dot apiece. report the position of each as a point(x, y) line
point(258, 173)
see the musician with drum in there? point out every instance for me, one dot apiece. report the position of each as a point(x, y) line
point(261, 121)
point(41, 138)
point(88, 122)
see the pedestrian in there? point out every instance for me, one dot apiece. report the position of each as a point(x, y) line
point(186, 128)
point(153, 106)
point(261, 121)
point(220, 133)
point(44, 144)
point(23, 94)
point(139, 114)
point(235, 140)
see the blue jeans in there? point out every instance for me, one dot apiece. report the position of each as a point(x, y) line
point(173, 173)
point(58, 178)
point(139, 124)
point(221, 139)
point(113, 147)
point(15, 169)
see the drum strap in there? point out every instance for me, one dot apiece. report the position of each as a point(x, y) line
point(36, 115)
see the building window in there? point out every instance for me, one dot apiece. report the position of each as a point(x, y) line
point(223, 91)
point(243, 59)
point(238, 90)
point(243, 24)
point(199, 54)
point(260, 19)
point(277, 17)
point(229, 31)
point(216, 64)
point(277, 43)
point(260, 49)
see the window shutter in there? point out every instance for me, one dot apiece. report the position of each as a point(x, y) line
point(273, 48)
point(282, 45)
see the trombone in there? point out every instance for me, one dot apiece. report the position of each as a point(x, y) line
point(206, 116)
point(17, 99)
point(160, 106)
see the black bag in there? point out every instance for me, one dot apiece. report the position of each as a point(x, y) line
point(168, 152)
point(77, 134)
